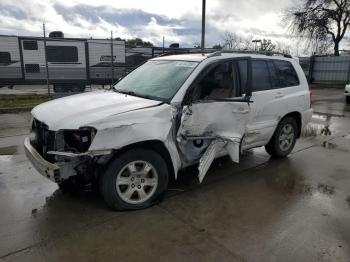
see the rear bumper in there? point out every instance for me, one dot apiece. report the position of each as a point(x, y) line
point(45, 168)
point(306, 117)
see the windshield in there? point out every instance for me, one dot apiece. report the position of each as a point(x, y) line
point(159, 80)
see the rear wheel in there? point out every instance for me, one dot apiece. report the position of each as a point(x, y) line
point(134, 180)
point(284, 138)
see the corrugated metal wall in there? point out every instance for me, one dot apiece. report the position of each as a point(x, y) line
point(327, 68)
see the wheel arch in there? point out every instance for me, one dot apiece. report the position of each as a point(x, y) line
point(155, 145)
point(297, 117)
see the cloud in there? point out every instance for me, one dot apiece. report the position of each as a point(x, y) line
point(178, 21)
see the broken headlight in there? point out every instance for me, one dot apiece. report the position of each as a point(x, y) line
point(79, 140)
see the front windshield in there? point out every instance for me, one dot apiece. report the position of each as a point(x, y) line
point(159, 80)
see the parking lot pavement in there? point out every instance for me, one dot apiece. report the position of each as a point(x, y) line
point(295, 209)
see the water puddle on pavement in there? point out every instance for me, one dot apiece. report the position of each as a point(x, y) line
point(9, 150)
point(321, 125)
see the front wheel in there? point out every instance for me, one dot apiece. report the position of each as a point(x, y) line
point(284, 138)
point(134, 180)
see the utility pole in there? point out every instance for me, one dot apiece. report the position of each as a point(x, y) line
point(112, 60)
point(163, 43)
point(203, 26)
point(46, 64)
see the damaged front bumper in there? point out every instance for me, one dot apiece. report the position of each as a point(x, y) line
point(45, 168)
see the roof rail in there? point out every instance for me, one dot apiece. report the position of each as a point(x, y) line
point(267, 53)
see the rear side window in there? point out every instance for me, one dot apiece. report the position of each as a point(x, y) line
point(5, 57)
point(275, 81)
point(30, 45)
point(62, 54)
point(288, 76)
point(260, 76)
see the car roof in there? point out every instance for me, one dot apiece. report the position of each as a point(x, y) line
point(199, 57)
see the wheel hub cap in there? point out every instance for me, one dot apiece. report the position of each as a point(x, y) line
point(136, 182)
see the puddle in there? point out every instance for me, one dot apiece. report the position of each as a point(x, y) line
point(9, 150)
point(320, 125)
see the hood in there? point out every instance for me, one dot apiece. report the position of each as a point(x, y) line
point(80, 110)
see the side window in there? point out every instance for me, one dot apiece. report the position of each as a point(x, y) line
point(275, 81)
point(260, 76)
point(217, 83)
point(5, 58)
point(288, 76)
point(30, 45)
point(62, 54)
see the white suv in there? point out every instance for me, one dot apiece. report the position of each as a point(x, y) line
point(169, 113)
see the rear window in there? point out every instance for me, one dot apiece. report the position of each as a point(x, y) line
point(260, 76)
point(62, 54)
point(287, 75)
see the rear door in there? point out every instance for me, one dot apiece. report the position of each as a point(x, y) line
point(273, 86)
point(216, 113)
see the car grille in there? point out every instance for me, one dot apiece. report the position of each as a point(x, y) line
point(44, 139)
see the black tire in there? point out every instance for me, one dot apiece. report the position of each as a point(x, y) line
point(59, 89)
point(75, 88)
point(68, 186)
point(348, 99)
point(108, 180)
point(274, 148)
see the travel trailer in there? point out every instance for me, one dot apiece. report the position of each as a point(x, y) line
point(72, 63)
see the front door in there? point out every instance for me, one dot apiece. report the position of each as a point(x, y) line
point(216, 116)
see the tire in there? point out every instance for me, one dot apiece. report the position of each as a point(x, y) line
point(281, 149)
point(75, 88)
point(348, 99)
point(68, 186)
point(59, 89)
point(137, 190)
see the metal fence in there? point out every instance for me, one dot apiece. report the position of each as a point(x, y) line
point(326, 69)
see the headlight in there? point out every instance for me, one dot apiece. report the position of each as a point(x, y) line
point(79, 140)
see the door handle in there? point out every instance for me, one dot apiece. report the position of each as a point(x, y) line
point(279, 95)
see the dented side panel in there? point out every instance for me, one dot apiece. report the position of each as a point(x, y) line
point(154, 123)
point(224, 123)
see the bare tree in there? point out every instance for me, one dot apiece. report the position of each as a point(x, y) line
point(231, 40)
point(283, 47)
point(247, 43)
point(267, 45)
point(317, 20)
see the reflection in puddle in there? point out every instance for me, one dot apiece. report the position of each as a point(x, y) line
point(320, 125)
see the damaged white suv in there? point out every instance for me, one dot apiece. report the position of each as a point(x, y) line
point(169, 113)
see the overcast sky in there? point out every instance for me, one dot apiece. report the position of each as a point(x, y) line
point(177, 20)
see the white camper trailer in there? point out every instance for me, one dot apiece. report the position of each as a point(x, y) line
point(72, 63)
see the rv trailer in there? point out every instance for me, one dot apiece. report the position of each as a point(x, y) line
point(73, 63)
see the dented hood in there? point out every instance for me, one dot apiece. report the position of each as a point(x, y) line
point(76, 111)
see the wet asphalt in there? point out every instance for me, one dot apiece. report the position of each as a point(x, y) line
point(295, 209)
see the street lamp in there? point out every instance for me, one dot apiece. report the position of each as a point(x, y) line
point(256, 41)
